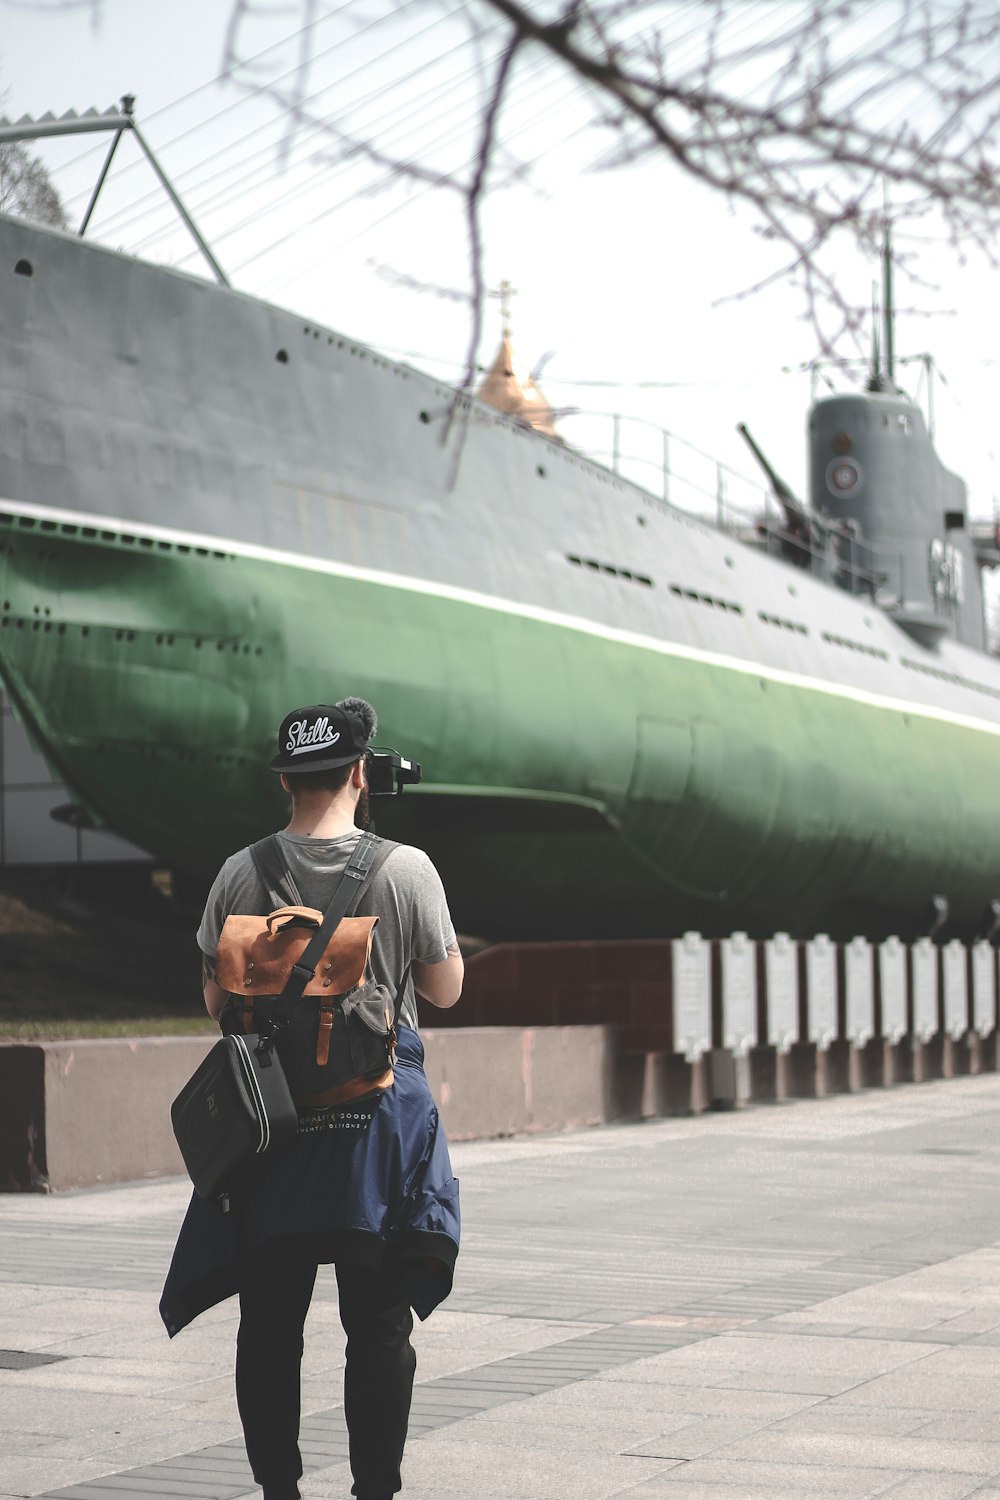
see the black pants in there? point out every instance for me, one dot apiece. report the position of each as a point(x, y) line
point(378, 1380)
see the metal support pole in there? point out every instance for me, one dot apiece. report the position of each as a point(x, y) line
point(666, 465)
point(616, 442)
point(888, 311)
point(100, 183)
point(220, 275)
point(720, 495)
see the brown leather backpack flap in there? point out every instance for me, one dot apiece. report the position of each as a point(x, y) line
point(252, 960)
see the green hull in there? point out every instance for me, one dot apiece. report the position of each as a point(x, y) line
point(579, 782)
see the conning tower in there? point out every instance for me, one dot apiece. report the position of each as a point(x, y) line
point(900, 518)
point(900, 514)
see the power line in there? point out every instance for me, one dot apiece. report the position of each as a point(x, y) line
point(246, 98)
point(447, 137)
point(193, 93)
point(418, 194)
point(221, 199)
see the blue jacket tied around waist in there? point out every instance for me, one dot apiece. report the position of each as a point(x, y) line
point(363, 1184)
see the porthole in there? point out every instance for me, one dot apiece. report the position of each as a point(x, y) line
point(24, 268)
point(282, 356)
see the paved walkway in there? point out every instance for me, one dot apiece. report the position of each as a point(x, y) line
point(800, 1300)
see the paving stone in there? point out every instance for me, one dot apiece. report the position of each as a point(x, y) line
point(973, 1427)
point(22, 1359)
point(29, 1474)
point(937, 1487)
point(801, 1382)
point(755, 1350)
point(497, 1471)
point(938, 1333)
point(832, 1450)
point(847, 1482)
point(531, 1431)
point(694, 1439)
point(833, 1418)
point(713, 1400)
point(681, 1488)
point(939, 1393)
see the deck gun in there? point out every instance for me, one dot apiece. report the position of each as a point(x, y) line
point(801, 539)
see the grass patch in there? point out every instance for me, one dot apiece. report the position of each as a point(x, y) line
point(97, 961)
point(39, 1030)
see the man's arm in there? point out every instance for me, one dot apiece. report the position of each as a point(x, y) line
point(441, 983)
point(215, 995)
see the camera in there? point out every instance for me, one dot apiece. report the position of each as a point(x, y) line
point(389, 772)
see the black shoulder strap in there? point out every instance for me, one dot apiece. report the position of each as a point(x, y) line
point(386, 846)
point(278, 881)
point(384, 849)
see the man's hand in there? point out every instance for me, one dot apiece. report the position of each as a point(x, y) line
point(441, 983)
point(215, 995)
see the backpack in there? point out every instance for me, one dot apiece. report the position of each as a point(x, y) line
point(304, 980)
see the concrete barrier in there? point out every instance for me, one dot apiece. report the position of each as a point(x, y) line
point(492, 1081)
point(77, 1113)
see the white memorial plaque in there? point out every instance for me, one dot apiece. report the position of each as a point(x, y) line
point(955, 979)
point(821, 992)
point(780, 970)
point(692, 996)
point(859, 992)
point(739, 999)
point(925, 1019)
point(892, 979)
point(983, 988)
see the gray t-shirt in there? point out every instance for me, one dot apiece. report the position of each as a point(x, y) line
point(406, 895)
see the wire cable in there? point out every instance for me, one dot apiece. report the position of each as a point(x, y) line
point(317, 129)
point(193, 93)
point(117, 223)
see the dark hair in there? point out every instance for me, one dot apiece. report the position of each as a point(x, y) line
point(320, 781)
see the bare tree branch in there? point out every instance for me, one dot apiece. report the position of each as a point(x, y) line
point(802, 111)
point(474, 195)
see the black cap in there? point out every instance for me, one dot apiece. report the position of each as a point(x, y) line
point(320, 738)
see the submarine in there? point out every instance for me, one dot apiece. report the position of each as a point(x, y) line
point(632, 721)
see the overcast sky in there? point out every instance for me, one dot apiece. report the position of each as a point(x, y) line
point(629, 277)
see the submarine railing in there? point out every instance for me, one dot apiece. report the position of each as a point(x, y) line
point(831, 550)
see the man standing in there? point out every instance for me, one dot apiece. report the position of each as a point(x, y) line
point(367, 1186)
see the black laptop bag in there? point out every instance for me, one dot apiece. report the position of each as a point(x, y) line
point(236, 1106)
